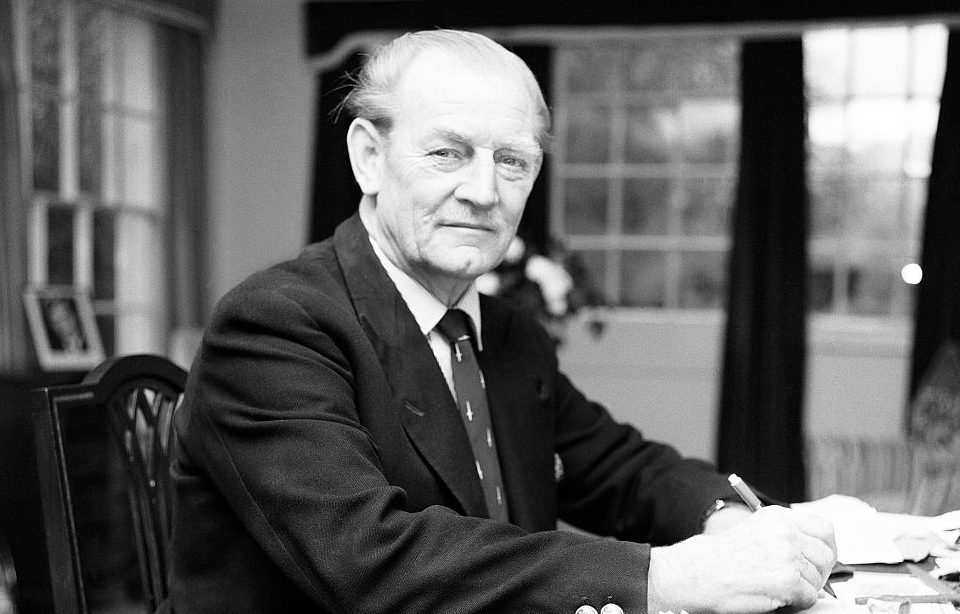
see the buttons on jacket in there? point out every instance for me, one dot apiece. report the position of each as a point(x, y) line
point(610, 608)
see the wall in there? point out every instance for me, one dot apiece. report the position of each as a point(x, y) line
point(260, 102)
point(660, 372)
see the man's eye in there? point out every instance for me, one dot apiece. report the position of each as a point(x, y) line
point(445, 153)
point(513, 161)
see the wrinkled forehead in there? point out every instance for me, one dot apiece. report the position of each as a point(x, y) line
point(494, 80)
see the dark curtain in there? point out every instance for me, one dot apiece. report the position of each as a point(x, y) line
point(760, 433)
point(937, 315)
point(182, 61)
point(336, 194)
point(16, 353)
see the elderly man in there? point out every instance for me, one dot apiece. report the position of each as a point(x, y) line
point(363, 432)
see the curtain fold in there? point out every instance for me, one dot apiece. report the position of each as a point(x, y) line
point(16, 352)
point(182, 60)
point(760, 432)
point(937, 314)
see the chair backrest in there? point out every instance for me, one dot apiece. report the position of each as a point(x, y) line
point(133, 399)
point(8, 578)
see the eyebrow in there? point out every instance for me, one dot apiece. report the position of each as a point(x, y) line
point(528, 147)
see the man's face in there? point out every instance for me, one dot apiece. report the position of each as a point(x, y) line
point(458, 165)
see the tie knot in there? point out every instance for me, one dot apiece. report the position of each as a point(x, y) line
point(455, 325)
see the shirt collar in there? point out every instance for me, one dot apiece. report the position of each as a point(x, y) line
point(427, 310)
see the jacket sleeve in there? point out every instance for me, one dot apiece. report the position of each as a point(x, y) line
point(276, 459)
point(618, 483)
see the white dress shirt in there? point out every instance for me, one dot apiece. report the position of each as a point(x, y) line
point(427, 310)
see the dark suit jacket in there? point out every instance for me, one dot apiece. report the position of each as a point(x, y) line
point(322, 465)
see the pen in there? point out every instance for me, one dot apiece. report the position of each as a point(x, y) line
point(754, 504)
point(745, 493)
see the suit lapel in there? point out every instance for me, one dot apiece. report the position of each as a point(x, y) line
point(427, 410)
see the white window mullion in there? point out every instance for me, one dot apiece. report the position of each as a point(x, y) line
point(37, 225)
point(83, 246)
point(69, 131)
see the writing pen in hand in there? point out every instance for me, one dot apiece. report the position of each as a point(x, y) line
point(745, 493)
point(753, 502)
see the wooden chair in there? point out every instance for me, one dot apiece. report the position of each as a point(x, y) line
point(8, 578)
point(99, 442)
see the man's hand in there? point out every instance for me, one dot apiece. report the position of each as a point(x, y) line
point(726, 518)
point(778, 557)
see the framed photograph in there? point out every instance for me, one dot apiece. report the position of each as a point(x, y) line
point(64, 330)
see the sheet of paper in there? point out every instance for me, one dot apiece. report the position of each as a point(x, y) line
point(861, 535)
point(866, 584)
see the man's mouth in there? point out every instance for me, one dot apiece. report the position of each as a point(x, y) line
point(469, 226)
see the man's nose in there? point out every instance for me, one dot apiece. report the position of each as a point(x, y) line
point(479, 181)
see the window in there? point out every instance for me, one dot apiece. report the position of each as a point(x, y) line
point(90, 99)
point(874, 99)
point(644, 166)
point(644, 169)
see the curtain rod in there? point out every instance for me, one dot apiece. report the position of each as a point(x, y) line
point(368, 40)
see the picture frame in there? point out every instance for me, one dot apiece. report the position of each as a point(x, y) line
point(64, 329)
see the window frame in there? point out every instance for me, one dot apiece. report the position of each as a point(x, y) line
point(114, 113)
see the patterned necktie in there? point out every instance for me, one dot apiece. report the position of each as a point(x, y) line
point(471, 394)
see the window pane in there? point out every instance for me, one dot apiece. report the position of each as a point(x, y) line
point(870, 288)
point(60, 242)
point(591, 265)
point(877, 133)
point(108, 337)
point(46, 143)
point(92, 38)
point(140, 163)
point(646, 206)
point(820, 288)
point(642, 279)
point(709, 130)
point(828, 199)
point(45, 42)
point(879, 61)
point(915, 204)
point(138, 64)
point(826, 130)
point(651, 133)
point(138, 281)
point(825, 63)
point(104, 265)
point(871, 211)
point(588, 134)
point(138, 259)
point(647, 67)
point(706, 66)
point(91, 149)
point(929, 60)
point(589, 69)
point(924, 115)
point(702, 280)
point(585, 212)
point(705, 209)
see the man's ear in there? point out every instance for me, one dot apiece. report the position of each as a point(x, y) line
point(366, 147)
